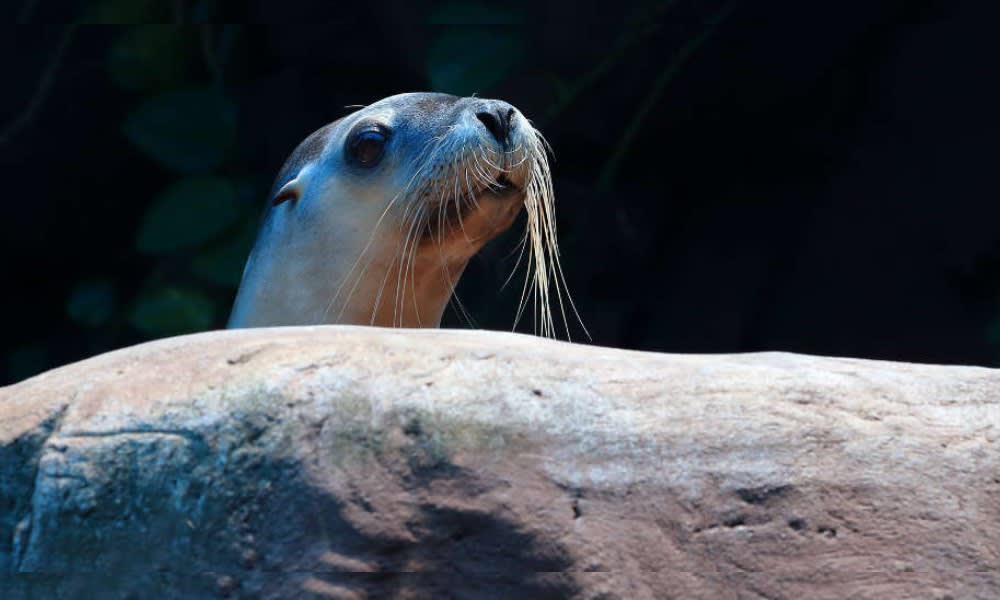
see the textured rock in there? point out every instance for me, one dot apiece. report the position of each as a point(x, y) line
point(340, 462)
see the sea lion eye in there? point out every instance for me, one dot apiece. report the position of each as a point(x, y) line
point(367, 146)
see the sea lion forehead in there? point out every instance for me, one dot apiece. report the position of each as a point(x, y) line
point(418, 102)
point(416, 108)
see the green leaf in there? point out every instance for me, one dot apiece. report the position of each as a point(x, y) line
point(189, 131)
point(187, 214)
point(223, 264)
point(467, 60)
point(172, 311)
point(91, 303)
point(151, 57)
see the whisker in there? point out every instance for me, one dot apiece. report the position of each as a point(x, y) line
point(399, 303)
point(426, 153)
point(412, 264)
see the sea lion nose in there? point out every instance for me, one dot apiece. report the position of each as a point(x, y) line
point(498, 117)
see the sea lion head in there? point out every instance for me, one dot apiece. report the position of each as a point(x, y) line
point(374, 217)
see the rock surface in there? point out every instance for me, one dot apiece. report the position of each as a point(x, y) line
point(344, 462)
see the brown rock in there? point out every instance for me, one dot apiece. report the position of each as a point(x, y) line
point(351, 462)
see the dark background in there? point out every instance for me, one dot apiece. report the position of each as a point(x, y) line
point(802, 176)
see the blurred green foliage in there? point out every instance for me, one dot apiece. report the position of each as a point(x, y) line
point(92, 303)
point(191, 131)
point(172, 311)
point(464, 59)
point(152, 57)
point(199, 226)
point(488, 55)
point(222, 263)
point(189, 213)
point(127, 11)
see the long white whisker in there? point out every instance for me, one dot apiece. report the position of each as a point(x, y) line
point(425, 153)
point(412, 265)
point(400, 295)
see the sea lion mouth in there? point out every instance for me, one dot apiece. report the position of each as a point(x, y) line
point(500, 183)
point(501, 188)
point(477, 211)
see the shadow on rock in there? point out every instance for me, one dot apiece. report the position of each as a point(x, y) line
point(138, 514)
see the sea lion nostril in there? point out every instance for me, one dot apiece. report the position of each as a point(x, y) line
point(498, 124)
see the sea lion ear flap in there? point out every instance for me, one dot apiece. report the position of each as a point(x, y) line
point(290, 191)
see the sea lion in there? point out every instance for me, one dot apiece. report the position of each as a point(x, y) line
point(374, 217)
